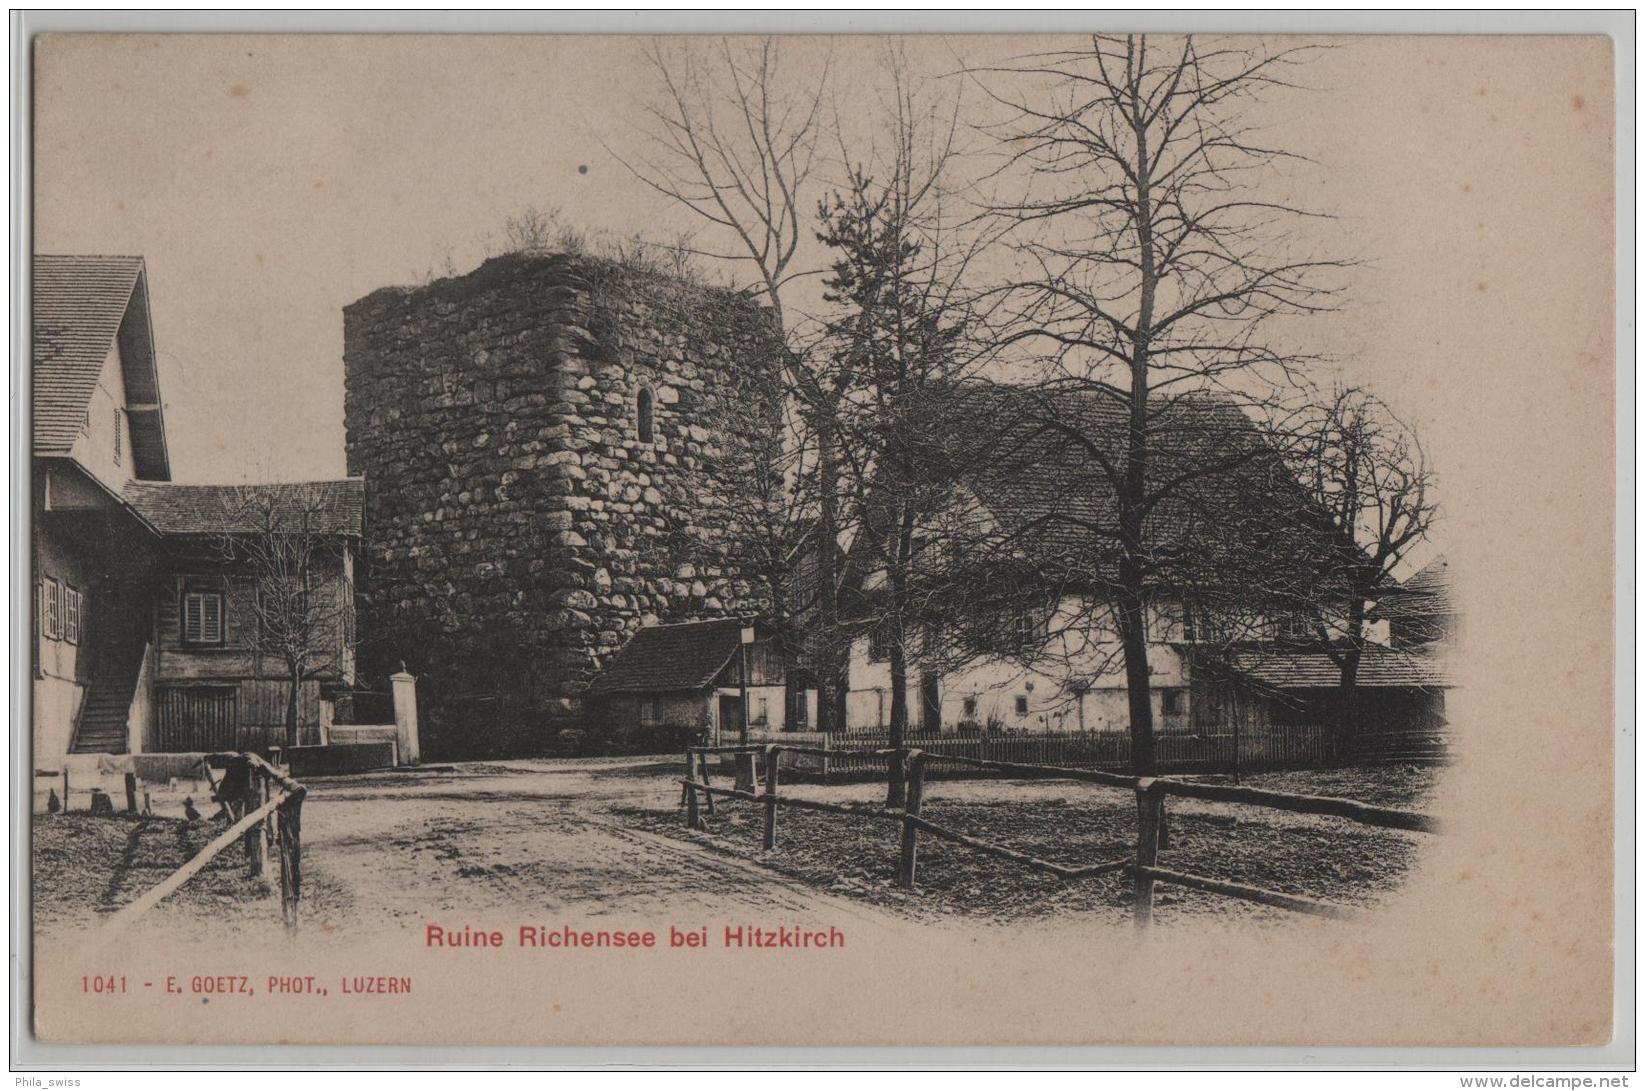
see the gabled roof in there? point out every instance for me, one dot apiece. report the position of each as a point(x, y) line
point(671, 658)
point(333, 507)
point(1426, 594)
point(1040, 461)
point(1379, 668)
point(81, 304)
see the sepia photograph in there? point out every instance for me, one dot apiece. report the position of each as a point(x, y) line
point(1066, 540)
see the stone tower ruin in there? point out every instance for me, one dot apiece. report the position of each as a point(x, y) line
point(557, 450)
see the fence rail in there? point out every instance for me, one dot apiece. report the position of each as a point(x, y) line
point(1142, 868)
point(267, 808)
point(1247, 751)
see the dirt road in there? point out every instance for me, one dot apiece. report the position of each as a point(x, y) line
point(518, 841)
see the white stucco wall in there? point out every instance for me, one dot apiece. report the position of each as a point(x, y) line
point(56, 703)
point(96, 448)
point(142, 730)
point(1081, 650)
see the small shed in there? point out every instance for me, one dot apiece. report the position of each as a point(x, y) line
point(691, 674)
point(1394, 690)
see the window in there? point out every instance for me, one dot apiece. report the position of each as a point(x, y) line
point(1295, 626)
point(1170, 702)
point(51, 608)
point(72, 600)
point(645, 414)
point(879, 645)
point(202, 617)
point(1030, 628)
point(1190, 628)
point(970, 706)
point(119, 438)
point(1022, 705)
point(762, 710)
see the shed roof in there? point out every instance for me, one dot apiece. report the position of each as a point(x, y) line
point(1379, 668)
point(81, 304)
point(671, 658)
point(333, 507)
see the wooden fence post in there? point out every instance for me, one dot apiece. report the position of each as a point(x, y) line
point(908, 861)
point(770, 840)
point(702, 761)
point(131, 793)
point(1150, 802)
point(291, 858)
point(256, 842)
point(693, 817)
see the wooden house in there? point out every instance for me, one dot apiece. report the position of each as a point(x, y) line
point(144, 638)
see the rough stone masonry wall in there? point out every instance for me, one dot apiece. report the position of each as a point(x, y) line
point(517, 529)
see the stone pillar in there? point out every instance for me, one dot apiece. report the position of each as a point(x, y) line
point(404, 688)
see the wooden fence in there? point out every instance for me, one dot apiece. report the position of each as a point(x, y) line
point(1309, 746)
point(1142, 867)
point(267, 811)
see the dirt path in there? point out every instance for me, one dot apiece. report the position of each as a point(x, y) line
point(516, 841)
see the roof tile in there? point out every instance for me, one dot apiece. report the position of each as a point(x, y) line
point(1379, 667)
point(670, 658)
point(335, 507)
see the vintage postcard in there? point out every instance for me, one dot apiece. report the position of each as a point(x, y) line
point(1100, 539)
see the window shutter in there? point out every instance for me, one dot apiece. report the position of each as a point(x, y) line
point(71, 614)
point(118, 438)
point(202, 617)
point(54, 609)
point(191, 619)
point(211, 619)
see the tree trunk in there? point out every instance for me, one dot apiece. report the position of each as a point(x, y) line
point(896, 779)
point(296, 679)
point(1133, 486)
point(1138, 691)
point(832, 666)
point(1347, 725)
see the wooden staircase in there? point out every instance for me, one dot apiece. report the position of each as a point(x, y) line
point(101, 726)
point(117, 662)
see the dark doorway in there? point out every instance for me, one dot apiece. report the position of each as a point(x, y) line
point(731, 717)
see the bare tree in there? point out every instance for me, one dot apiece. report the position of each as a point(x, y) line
point(732, 142)
point(1368, 478)
point(735, 140)
point(1151, 262)
point(301, 605)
